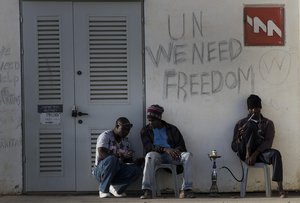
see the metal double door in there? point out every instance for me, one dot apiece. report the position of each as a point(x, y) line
point(82, 67)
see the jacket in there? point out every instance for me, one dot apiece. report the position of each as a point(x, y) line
point(174, 138)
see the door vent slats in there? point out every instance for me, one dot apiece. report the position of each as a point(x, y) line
point(94, 135)
point(50, 152)
point(108, 58)
point(49, 59)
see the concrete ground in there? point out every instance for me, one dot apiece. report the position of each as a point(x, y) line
point(293, 197)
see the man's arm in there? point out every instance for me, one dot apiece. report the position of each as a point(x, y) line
point(103, 153)
point(235, 138)
point(266, 142)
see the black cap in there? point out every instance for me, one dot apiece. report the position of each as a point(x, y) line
point(253, 101)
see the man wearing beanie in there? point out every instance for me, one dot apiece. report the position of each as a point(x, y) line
point(253, 139)
point(163, 143)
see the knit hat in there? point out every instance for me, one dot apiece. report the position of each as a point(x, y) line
point(155, 111)
point(253, 101)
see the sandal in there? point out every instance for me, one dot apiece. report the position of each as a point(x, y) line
point(186, 194)
point(283, 194)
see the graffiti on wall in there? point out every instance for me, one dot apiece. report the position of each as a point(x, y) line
point(8, 68)
point(191, 50)
point(10, 99)
point(275, 66)
point(197, 63)
point(204, 83)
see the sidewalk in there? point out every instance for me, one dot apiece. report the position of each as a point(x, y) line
point(133, 198)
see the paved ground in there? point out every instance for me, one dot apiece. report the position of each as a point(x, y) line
point(134, 198)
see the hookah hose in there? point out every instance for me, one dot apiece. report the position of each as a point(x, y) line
point(242, 178)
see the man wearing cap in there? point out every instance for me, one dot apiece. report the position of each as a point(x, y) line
point(114, 167)
point(253, 138)
point(163, 143)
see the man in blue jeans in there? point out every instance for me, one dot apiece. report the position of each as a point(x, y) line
point(115, 168)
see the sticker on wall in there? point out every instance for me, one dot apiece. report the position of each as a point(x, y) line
point(50, 114)
point(50, 118)
point(264, 26)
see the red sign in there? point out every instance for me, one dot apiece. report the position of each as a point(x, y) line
point(264, 26)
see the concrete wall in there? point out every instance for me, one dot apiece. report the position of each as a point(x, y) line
point(10, 99)
point(206, 98)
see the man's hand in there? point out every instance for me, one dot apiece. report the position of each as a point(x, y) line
point(241, 131)
point(251, 159)
point(174, 153)
point(129, 154)
point(125, 154)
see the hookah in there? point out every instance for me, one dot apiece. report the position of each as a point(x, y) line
point(213, 156)
point(214, 191)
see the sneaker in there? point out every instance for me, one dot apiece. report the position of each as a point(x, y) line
point(113, 191)
point(147, 194)
point(186, 194)
point(104, 194)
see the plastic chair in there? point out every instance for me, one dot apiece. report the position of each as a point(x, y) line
point(266, 169)
point(155, 186)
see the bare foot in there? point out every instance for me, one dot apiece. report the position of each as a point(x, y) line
point(283, 194)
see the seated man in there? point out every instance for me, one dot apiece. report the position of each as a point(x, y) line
point(163, 143)
point(113, 153)
point(253, 139)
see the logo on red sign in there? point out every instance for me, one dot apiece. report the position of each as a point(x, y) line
point(264, 26)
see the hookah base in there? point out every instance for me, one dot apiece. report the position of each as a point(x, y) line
point(214, 191)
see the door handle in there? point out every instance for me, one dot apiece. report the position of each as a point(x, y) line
point(76, 113)
point(82, 114)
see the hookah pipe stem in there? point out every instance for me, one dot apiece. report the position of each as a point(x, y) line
point(244, 126)
point(249, 119)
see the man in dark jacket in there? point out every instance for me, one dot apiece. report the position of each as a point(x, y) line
point(253, 139)
point(163, 143)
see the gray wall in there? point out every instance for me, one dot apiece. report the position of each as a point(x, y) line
point(206, 98)
point(10, 99)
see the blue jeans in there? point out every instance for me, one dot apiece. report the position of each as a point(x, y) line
point(111, 172)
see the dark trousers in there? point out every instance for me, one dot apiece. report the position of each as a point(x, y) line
point(249, 142)
point(272, 157)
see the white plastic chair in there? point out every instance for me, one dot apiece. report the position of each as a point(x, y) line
point(155, 186)
point(266, 169)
